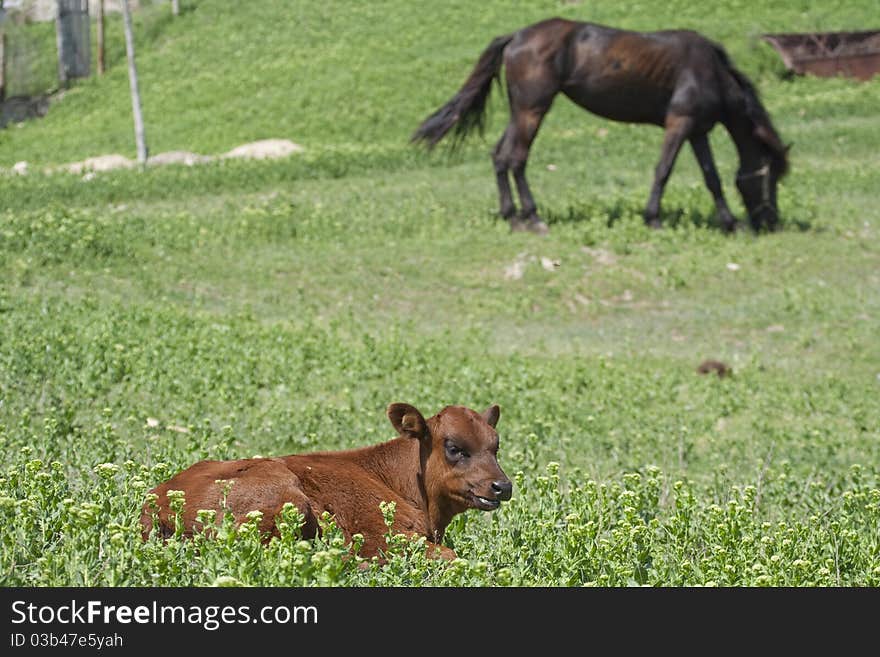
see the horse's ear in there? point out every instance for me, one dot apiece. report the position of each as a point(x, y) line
point(788, 147)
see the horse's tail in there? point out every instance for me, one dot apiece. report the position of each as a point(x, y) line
point(748, 101)
point(465, 112)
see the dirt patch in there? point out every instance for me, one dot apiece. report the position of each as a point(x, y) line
point(601, 256)
point(18, 109)
point(516, 270)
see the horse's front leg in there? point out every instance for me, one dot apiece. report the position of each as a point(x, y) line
point(677, 130)
point(703, 153)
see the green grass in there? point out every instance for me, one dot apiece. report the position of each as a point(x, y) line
point(275, 307)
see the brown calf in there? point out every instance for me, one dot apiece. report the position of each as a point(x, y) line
point(433, 470)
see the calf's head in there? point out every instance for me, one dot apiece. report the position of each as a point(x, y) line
point(458, 457)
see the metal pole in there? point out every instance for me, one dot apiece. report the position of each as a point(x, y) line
point(139, 136)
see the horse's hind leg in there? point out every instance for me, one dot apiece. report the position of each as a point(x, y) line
point(525, 124)
point(501, 160)
point(678, 128)
point(703, 153)
point(532, 83)
point(511, 154)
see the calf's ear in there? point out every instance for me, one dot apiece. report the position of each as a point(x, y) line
point(407, 421)
point(491, 415)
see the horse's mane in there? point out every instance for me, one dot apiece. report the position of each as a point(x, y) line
point(754, 110)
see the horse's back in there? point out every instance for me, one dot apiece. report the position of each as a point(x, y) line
point(623, 75)
point(619, 74)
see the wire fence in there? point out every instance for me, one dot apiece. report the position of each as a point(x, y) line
point(30, 51)
point(32, 41)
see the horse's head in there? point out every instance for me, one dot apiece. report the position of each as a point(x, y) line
point(757, 182)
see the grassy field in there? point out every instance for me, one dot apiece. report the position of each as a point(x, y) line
point(151, 319)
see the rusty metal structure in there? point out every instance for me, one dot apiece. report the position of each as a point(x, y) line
point(826, 54)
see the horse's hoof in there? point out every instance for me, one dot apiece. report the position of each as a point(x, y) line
point(537, 227)
point(654, 223)
point(533, 225)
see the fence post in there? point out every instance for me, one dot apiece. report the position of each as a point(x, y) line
point(61, 44)
point(139, 136)
point(175, 7)
point(72, 29)
point(2, 52)
point(99, 19)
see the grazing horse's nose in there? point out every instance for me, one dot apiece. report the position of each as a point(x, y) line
point(502, 489)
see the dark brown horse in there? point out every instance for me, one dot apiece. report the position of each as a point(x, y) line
point(675, 79)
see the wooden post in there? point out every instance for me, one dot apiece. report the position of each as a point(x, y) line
point(99, 19)
point(2, 64)
point(175, 7)
point(139, 136)
point(2, 52)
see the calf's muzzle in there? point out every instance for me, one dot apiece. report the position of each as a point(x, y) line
point(502, 489)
